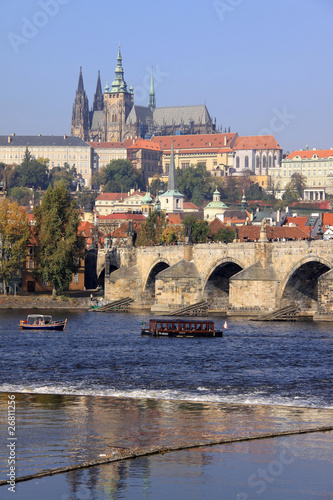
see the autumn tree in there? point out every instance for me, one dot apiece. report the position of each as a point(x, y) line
point(59, 246)
point(172, 233)
point(152, 229)
point(14, 238)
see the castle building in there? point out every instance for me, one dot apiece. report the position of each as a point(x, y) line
point(115, 117)
point(57, 150)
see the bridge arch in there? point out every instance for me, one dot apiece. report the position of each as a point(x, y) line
point(149, 283)
point(300, 284)
point(216, 283)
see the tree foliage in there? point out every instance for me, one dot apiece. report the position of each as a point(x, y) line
point(22, 195)
point(172, 233)
point(200, 230)
point(119, 176)
point(157, 185)
point(224, 234)
point(298, 183)
point(59, 246)
point(195, 183)
point(31, 173)
point(14, 238)
point(65, 174)
point(152, 229)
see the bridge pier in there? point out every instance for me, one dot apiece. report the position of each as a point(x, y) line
point(254, 290)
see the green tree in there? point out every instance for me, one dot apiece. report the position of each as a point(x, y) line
point(232, 189)
point(86, 196)
point(157, 185)
point(65, 174)
point(290, 195)
point(152, 229)
point(59, 246)
point(14, 238)
point(31, 173)
point(22, 195)
point(200, 230)
point(195, 183)
point(224, 234)
point(298, 183)
point(119, 176)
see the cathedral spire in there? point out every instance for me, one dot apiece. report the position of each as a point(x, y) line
point(152, 99)
point(80, 114)
point(98, 103)
point(119, 84)
point(172, 181)
point(80, 87)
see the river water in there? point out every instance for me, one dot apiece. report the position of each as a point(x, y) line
point(146, 390)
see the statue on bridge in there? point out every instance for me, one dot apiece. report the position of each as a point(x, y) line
point(131, 234)
point(188, 235)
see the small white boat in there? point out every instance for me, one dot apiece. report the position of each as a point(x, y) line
point(41, 322)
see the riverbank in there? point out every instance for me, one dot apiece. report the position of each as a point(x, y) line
point(44, 302)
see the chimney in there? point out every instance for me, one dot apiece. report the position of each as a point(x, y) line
point(9, 139)
point(65, 136)
point(225, 140)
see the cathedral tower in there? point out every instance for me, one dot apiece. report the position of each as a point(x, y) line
point(80, 113)
point(118, 102)
point(98, 104)
point(152, 98)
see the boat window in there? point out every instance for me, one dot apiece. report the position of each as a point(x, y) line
point(187, 326)
point(164, 326)
point(210, 326)
point(176, 326)
point(158, 326)
point(204, 326)
point(170, 326)
point(192, 326)
point(198, 326)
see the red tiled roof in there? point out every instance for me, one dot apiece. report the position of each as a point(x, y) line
point(198, 141)
point(256, 142)
point(252, 233)
point(298, 221)
point(327, 219)
point(122, 216)
point(174, 219)
point(142, 144)
point(112, 196)
point(321, 153)
point(215, 225)
point(189, 205)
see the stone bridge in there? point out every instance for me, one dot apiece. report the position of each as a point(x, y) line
point(241, 278)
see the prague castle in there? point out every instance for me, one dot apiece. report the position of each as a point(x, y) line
point(115, 117)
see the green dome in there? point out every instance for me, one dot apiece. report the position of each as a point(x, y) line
point(147, 199)
point(216, 204)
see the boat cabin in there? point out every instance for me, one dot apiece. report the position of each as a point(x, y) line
point(38, 319)
point(181, 328)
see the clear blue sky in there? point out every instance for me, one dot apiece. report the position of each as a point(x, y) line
point(259, 65)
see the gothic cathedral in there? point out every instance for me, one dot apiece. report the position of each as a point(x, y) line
point(114, 117)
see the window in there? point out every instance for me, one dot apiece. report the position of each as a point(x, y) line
point(237, 163)
point(76, 278)
point(246, 162)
